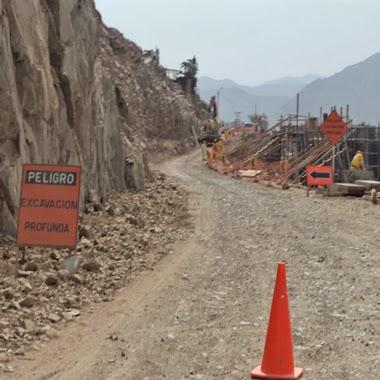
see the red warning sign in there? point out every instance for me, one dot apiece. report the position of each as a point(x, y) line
point(334, 127)
point(49, 206)
point(319, 175)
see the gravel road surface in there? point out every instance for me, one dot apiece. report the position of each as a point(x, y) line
point(202, 312)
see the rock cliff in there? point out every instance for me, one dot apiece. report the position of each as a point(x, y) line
point(73, 91)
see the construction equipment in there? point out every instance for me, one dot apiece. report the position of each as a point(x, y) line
point(210, 132)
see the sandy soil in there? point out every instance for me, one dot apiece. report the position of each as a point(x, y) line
point(202, 312)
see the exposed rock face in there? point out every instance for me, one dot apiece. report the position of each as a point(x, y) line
point(75, 92)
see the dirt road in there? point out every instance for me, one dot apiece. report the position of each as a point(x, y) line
point(202, 313)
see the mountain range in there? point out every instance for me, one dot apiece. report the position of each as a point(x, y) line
point(268, 97)
point(357, 85)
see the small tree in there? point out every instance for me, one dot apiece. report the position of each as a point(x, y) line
point(190, 68)
point(260, 120)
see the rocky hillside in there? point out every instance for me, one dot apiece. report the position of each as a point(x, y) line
point(73, 91)
point(53, 287)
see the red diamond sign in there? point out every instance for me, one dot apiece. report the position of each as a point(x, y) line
point(334, 127)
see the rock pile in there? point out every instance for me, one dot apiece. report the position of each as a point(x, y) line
point(127, 234)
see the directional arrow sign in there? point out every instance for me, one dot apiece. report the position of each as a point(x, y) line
point(315, 174)
point(319, 175)
point(334, 127)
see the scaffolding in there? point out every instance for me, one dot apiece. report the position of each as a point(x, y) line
point(282, 154)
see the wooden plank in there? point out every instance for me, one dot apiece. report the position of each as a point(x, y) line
point(369, 184)
point(249, 173)
point(347, 189)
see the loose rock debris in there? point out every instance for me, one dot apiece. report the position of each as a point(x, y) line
point(128, 234)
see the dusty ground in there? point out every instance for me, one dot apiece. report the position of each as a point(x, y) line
point(202, 312)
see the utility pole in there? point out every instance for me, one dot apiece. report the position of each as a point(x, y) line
point(298, 109)
point(237, 116)
point(218, 103)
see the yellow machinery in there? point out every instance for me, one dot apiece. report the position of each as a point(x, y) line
point(210, 132)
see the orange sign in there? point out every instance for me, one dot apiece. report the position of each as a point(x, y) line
point(334, 127)
point(319, 176)
point(49, 206)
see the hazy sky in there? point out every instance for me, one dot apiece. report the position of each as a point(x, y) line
point(251, 41)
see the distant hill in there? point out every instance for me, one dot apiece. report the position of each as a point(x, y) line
point(288, 86)
point(270, 97)
point(357, 85)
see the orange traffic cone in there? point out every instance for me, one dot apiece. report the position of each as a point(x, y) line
point(278, 362)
